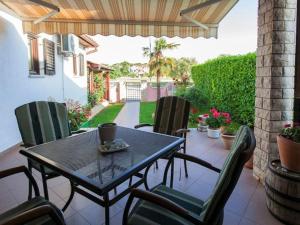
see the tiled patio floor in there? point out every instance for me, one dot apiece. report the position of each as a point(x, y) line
point(246, 206)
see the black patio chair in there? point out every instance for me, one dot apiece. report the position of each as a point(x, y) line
point(164, 205)
point(171, 117)
point(40, 122)
point(36, 211)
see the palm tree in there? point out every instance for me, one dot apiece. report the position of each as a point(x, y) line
point(158, 64)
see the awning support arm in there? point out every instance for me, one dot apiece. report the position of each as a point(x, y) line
point(197, 7)
point(54, 11)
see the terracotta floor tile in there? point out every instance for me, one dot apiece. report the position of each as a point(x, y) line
point(95, 214)
point(246, 205)
point(76, 219)
point(231, 218)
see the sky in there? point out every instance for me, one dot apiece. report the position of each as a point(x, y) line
point(237, 35)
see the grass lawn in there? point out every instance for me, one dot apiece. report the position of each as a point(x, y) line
point(147, 108)
point(107, 115)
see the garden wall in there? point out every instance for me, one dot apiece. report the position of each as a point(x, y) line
point(228, 82)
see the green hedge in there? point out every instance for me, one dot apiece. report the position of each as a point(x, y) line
point(228, 82)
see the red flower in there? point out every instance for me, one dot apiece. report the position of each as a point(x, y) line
point(226, 115)
point(213, 110)
point(228, 121)
point(287, 125)
point(205, 115)
point(200, 119)
point(216, 114)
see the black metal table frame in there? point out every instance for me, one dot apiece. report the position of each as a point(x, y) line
point(77, 180)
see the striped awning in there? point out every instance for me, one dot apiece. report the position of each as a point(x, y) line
point(123, 17)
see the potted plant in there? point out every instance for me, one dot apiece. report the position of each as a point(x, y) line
point(228, 135)
point(288, 142)
point(215, 120)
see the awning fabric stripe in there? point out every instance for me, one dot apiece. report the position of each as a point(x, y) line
point(122, 17)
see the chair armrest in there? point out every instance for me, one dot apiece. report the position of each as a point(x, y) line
point(143, 125)
point(160, 201)
point(21, 169)
point(182, 131)
point(77, 131)
point(34, 214)
point(188, 158)
point(196, 160)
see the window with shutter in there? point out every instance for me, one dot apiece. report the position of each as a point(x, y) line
point(81, 64)
point(75, 65)
point(49, 57)
point(33, 56)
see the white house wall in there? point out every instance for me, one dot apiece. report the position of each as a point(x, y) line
point(17, 87)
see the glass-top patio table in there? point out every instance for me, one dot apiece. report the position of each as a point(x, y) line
point(78, 159)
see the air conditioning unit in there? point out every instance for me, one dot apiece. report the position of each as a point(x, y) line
point(67, 44)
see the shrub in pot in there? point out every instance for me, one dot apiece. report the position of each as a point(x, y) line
point(289, 147)
point(228, 135)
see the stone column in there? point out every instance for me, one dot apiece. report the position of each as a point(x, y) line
point(275, 75)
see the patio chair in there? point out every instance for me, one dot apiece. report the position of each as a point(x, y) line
point(40, 122)
point(164, 205)
point(36, 211)
point(171, 117)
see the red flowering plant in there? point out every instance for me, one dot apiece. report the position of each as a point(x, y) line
point(217, 119)
point(77, 114)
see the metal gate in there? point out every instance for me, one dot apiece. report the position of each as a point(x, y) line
point(133, 91)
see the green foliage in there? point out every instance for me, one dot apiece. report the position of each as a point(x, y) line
point(92, 99)
point(292, 133)
point(195, 97)
point(147, 109)
point(228, 82)
point(121, 70)
point(97, 95)
point(77, 114)
point(107, 115)
point(231, 129)
point(182, 70)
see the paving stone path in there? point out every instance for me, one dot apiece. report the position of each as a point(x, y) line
point(129, 114)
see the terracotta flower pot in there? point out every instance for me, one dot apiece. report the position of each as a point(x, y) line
point(213, 133)
point(249, 163)
point(289, 152)
point(227, 140)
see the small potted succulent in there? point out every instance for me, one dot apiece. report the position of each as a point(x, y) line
point(202, 125)
point(288, 142)
point(215, 120)
point(228, 135)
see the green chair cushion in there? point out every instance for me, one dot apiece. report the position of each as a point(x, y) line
point(146, 213)
point(35, 202)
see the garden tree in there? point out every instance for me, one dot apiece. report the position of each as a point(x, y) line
point(182, 71)
point(158, 64)
point(121, 70)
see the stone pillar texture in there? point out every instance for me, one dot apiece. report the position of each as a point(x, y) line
point(275, 75)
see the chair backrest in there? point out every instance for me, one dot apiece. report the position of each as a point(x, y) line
point(40, 122)
point(240, 153)
point(172, 113)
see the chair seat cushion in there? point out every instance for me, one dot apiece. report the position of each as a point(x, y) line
point(35, 202)
point(146, 213)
